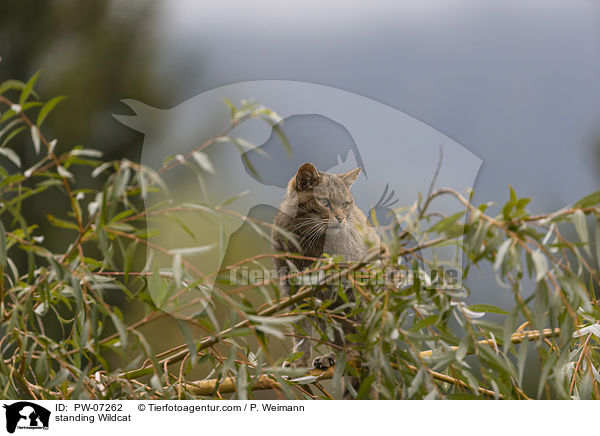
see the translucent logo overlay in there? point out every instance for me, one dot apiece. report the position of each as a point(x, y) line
point(222, 198)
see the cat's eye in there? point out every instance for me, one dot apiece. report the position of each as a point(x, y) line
point(324, 202)
point(347, 204)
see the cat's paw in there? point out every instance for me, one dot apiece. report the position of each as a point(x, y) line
point(324, 362)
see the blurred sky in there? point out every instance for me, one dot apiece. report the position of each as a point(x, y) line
point(516, 82)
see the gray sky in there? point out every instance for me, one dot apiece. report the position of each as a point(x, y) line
point(515, 82)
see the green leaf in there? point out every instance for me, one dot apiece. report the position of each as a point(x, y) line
point(189, 340)
point(423, 323)
point(521, 359)
point(513, 195)
point(35, 137)
point(60, 377)
point(444, 223)
point(283, 138)
point(58, 222)
point(11, 155)
point(582, 230)
point(275, 320)
point(9, 126)
point(540, 263)
point(463, 349)
point(11, 84)
point(522, 202)
point(231, 106)
point(3, 249)
point(203, 162)
point(77, 293)
point(510, 205)
point(202, 207)
point(89, 152)
point(193, 251)
point(157, 287)
point(101, 168)
point(340, 366)
point(123, 227)
point(486, 308)
point(120, 328)
point(11, 135)
point(128, 261)
point(416, 382)
point(151, 356)
point(268, 330)
point(588, 200)
point(501, 253)
point(13, 178)
point(47, 108)
point(250, 167)
point(63, 172)
point(234, 198)
point(28, 87)
point(597, 234)
point(365, 386)
point(177, 269)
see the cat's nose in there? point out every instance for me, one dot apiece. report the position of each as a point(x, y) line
point(340, 218)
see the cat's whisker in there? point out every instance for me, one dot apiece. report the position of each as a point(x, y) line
point(318, 234)
point(308, 239)
point(304, 222)
point(314, 235)
point(305, 225)
point(352, 230)
point(309, 233)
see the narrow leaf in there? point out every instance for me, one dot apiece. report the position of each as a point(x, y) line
point(47, 108)
point(203, 162)
point(501, 253)
point(177, 269)
point(28, 88)
point(35, 136)
point(588, 200)
point(540, 263)
point(120, 329)
point(486, 308)
point(3, 250)
point(64, 172)
point(582, 230)
point(60, 377)
point(11, 155)
point(193, 251)
point(597, 232)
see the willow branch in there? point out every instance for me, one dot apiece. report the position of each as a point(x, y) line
point(266, 382)
point(209, 341)
point(516, 338)
point(261, 383)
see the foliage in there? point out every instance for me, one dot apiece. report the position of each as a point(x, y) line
point(65, 335)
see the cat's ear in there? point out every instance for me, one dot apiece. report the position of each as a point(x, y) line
point(350, 176)
point(307, 177)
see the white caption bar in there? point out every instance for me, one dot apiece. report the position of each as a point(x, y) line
point(294, 417)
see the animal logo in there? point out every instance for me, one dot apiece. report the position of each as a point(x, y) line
point(335, 129)
point(25, 414)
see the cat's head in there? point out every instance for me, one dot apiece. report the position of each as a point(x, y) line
point(324, 196)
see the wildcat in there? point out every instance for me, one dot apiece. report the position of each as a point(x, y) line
point(319, 211)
